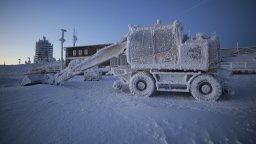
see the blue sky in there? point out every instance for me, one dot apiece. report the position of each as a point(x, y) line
point(23, 22)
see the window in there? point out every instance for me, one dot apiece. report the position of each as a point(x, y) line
point(74, 52)
point(86, 52)
point(80, 52)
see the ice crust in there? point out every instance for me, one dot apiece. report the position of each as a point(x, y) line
point(101, 56)
point(160, 47)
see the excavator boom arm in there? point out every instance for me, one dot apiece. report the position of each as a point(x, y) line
point(101, 56)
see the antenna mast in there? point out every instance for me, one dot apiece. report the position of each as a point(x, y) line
point(62, 40)
point(74, 37)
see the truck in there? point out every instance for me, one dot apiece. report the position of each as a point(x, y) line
point(160, 58)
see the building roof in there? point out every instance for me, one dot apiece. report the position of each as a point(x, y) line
point(252, 47)
point(89, 46)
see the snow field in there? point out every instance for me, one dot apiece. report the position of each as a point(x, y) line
point(93, 112)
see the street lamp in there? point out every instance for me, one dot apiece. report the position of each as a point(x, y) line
point(62, 40)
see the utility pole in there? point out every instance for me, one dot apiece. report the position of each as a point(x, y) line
point(62, 40)
point(74, 38)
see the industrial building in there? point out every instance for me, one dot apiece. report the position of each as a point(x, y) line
point(44, 51)
point(227, 52)
point(81, 52)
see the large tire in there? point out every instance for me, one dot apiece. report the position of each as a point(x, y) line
point(142, 84)
point(205, 88)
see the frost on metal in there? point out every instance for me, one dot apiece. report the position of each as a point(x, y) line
point(92, 74)
point(161, 47)
point(79, 66)
point(41, 73)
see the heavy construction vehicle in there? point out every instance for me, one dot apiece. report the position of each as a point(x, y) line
point(159, 59)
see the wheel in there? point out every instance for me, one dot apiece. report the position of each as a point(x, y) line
point(142, 84)
point(117, 85)
point(205, 88)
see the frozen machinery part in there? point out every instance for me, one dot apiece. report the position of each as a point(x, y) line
point(92, 74)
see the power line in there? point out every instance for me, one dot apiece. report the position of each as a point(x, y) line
point(194, 7)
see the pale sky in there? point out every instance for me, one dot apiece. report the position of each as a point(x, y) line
point(23, 22)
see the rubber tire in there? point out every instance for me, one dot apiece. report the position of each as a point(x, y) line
point(146, 79)
point(215, 88)
point(117, 85)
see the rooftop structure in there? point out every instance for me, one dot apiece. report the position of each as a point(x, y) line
point(44, 51)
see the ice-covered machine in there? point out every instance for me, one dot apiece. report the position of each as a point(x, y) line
point(160, 59)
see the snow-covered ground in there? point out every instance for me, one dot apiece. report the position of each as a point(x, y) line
point(92, 112)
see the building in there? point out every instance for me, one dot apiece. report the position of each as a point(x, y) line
point(81, 52)
point(227, 52)
point(44, 51)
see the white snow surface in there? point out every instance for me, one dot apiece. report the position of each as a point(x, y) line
point(80, 112)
